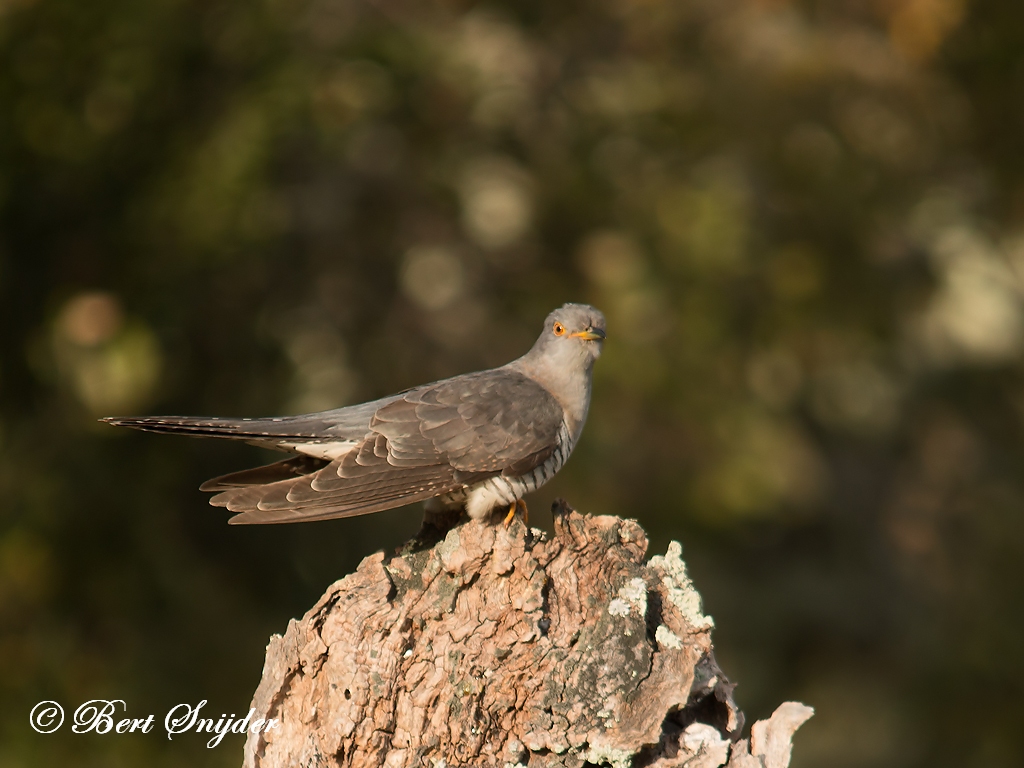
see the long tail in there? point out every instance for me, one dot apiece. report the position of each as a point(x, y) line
point(200, 426)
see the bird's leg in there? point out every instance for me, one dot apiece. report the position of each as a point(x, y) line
point(517, 504)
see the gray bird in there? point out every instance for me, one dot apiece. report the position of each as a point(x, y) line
point(481, 440)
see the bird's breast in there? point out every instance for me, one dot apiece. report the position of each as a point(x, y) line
point(499, 491)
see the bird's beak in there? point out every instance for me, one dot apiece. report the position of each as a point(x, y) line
point(591, 334)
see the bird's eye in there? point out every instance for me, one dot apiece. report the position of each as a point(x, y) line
point(559, 329)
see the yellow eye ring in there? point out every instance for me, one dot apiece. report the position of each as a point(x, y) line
point(558, 329)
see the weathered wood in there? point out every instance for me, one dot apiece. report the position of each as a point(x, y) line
point(495, 647)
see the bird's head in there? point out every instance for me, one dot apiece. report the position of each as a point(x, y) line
point(573, 333)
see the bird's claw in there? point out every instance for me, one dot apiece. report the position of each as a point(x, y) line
point(519, 503)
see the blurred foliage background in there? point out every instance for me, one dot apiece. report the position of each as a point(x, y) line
point(803, 219)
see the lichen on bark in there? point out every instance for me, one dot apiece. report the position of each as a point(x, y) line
point(488, 646)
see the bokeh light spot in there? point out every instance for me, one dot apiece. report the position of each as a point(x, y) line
point(432, 276)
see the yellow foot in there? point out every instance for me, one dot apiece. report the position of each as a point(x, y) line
point(519, 504)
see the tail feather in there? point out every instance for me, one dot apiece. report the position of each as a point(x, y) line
point(232, 429)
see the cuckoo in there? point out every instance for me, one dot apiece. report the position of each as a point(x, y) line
point(479, 441)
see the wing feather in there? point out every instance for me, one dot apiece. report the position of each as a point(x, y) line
point(271, 473)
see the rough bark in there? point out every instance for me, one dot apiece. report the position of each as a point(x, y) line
point(495, 647)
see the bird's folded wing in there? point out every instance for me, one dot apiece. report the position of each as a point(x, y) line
point(429, 441)
point(296, 466)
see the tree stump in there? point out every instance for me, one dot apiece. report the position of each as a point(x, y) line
point(487, 646)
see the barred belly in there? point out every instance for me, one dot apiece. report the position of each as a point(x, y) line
point(503, 491)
